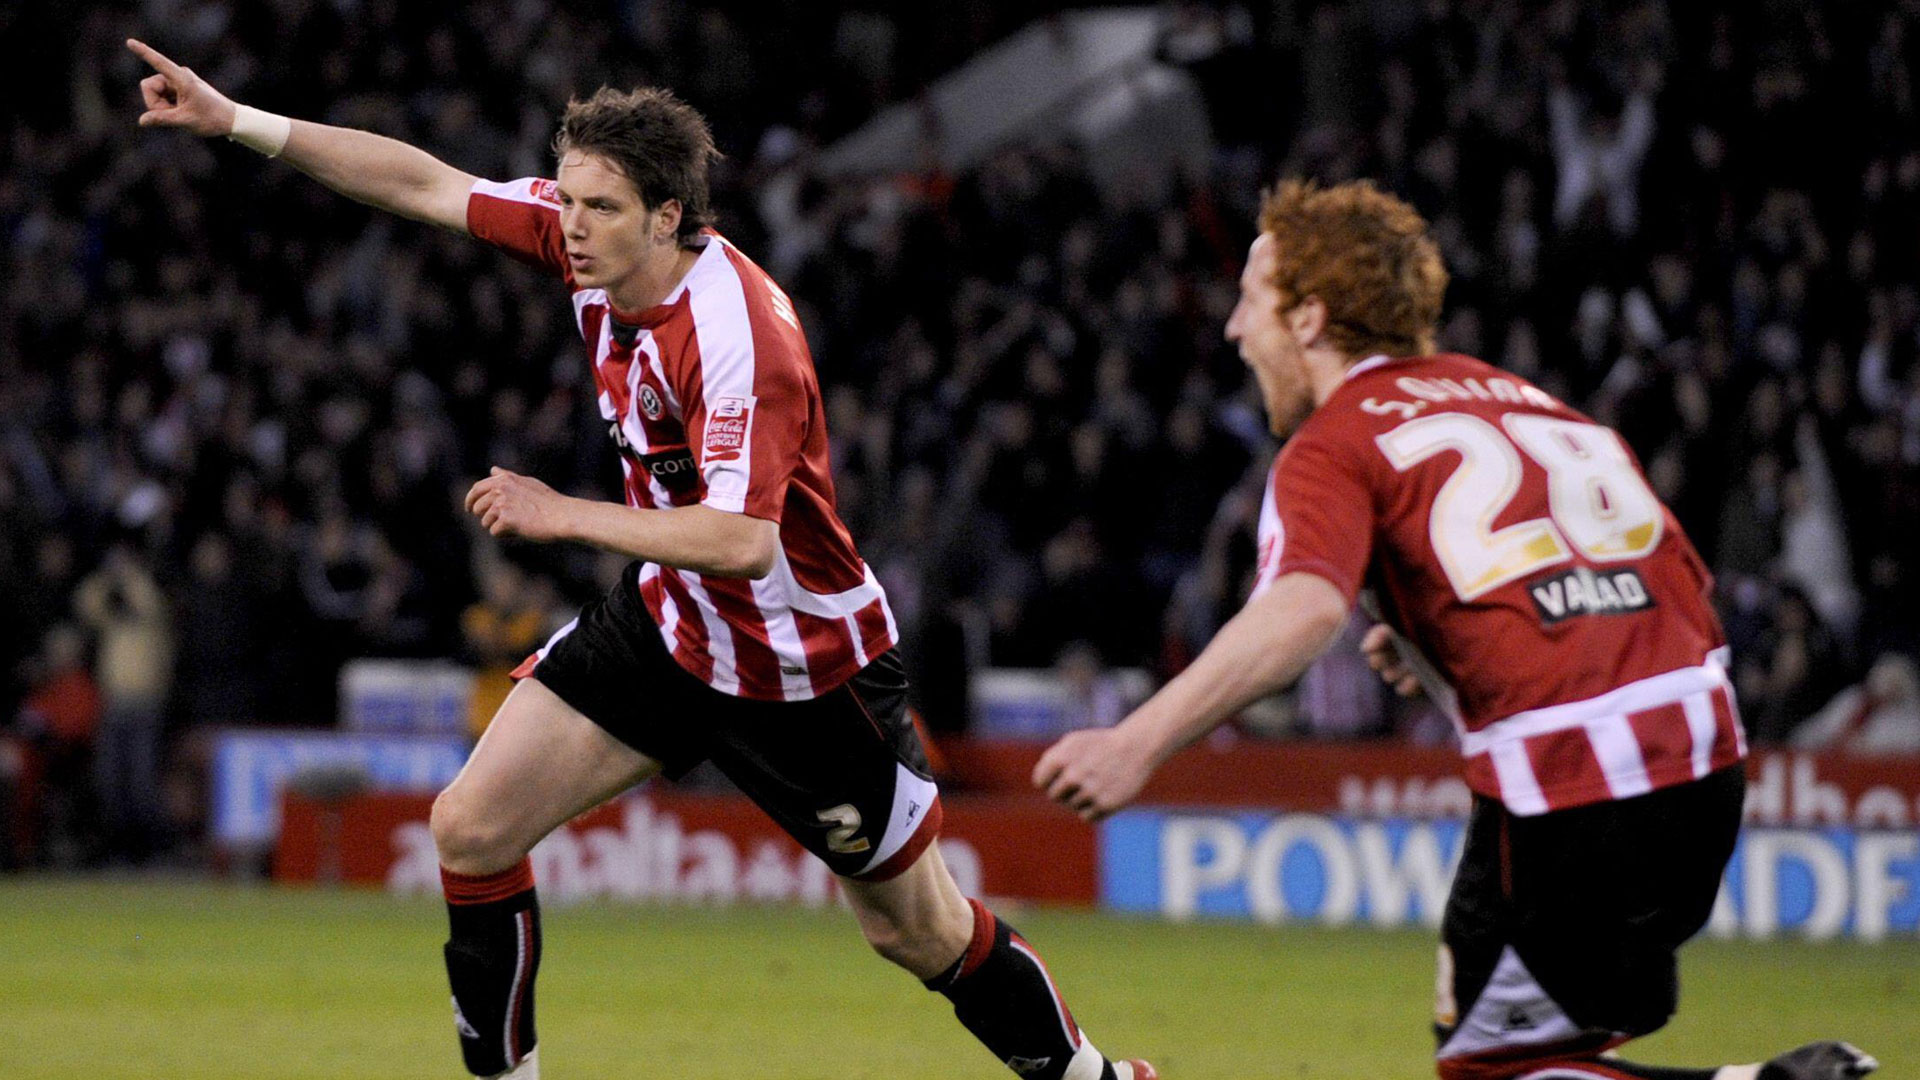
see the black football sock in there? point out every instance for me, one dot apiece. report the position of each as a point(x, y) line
point(493, 953)
point(1002, 993)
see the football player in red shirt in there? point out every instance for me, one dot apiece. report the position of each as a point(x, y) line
point(1530, 580)
point(747, 632)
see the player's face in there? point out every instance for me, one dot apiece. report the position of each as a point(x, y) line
point(607, 228)
point(1267, 343)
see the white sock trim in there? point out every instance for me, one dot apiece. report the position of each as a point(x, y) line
point(528, 1069)
point(259, 130)
point(1737, 1072)
point(1086, 1064)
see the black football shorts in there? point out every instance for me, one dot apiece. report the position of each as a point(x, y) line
point(1560, 933)
point(843, 773)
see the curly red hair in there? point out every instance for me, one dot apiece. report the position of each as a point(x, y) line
point(1366, 255)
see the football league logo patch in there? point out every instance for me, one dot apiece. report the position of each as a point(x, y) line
point(546, 191)
point(728, 428)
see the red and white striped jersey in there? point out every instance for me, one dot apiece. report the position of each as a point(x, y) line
point(1558, 613)
point(712, 399)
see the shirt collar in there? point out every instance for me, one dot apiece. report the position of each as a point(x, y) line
point(648, 318)
point(1364, 366)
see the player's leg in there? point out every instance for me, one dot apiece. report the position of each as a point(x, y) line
point(1815, 1061)
point(604, 707)
point(540, 763)
point(1000, 989)
point(1555, 952)
point(845, 774)
point(1621, 973)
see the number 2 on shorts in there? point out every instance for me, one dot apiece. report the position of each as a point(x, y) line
point(845, 821)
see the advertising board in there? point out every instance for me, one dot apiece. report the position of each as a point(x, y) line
point(672, 846)
point(252, 767)
point(1340, 870)
point(1338, 835)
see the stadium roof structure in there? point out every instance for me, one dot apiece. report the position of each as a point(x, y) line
point(1089, 77)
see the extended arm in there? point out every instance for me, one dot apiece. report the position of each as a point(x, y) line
point(370, 168)
point(1262, 649)
point(697, 538)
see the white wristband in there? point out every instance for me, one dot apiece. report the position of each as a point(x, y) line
point(262, 131)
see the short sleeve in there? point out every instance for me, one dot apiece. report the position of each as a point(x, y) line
point(1317, 516)
point(751, 401)
point(521, 218)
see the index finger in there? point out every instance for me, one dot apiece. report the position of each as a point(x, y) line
point(478, 489)
point(1046, 768)
point(152, 56)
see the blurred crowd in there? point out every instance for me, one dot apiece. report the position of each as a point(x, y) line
point(237, 412)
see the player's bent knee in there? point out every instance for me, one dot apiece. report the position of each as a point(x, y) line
point(468, 840)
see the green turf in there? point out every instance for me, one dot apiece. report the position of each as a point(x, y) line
point(137, 980)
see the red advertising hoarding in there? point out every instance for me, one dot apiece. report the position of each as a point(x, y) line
point(1384, 780)
point(666, 845)
point(1000, 837)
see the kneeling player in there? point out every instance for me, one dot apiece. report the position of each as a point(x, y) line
point(748, 632)
point(1548, 600)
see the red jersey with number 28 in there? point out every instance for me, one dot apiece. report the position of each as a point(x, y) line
point(1558, 613)
point(711, 398)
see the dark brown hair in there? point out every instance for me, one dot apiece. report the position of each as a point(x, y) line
point(1366, 255)
point(659, 142)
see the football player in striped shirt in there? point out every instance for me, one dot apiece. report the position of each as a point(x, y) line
point(1527, 576)
point(746, 632)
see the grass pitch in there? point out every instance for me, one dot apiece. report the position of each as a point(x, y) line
point(113, 980)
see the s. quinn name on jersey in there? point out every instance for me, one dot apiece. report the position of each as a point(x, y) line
point(1582, 591)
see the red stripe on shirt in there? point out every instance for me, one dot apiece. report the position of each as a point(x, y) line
point(652, 594)
point(820, 551)
point(827, 644)
point(872, 621)
point(753, 656)
point(1665, 744)
point(692, 649)
point(1481, 779)
point(528, 231)
point(1566, 769)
